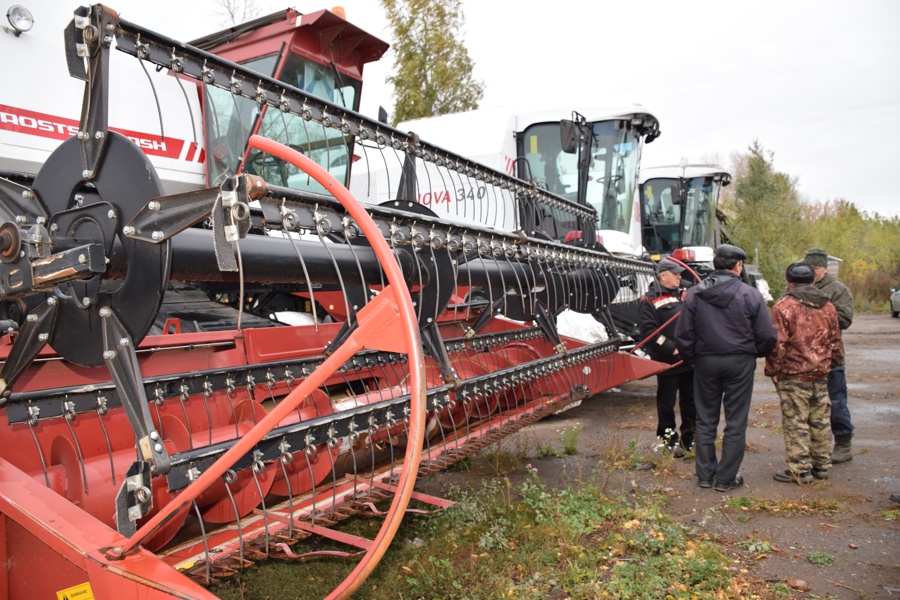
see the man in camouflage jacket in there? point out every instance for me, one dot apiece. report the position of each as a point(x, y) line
point(842, 299)
point(808, 347)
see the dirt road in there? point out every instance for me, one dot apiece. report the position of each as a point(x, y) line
point(843, 517)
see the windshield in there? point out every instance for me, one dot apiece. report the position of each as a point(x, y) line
point(231, 120)
point(700, 211)
point(612, 173)
point(661, 215)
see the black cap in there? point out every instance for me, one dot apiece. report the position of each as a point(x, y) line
point(800, 272)
point(669, 265)
point(730, 252)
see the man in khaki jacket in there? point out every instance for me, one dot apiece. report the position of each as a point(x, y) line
point(842, 299)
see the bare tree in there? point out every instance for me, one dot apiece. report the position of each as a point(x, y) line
point(235, 12)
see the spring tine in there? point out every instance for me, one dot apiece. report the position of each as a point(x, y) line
point(32, 423)
point(286, 459)
point(102, 410)
point(337, 271)
point(206, 543)
point(229, 389)
point(69, 412)
point(309, 285)
point(230, 477)
point(187, 419)
point(162, 131)
point(188, 104)
point(313, 511)
point(258, 467)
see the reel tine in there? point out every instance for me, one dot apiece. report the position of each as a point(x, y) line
point(101, 411)
point(32, 423)
point(68, 411)
point(285, 459)
point(232, 476)
point(208, 561)
point(265, 515)
point(312, 511)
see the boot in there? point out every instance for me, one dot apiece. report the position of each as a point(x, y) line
point(841, 453)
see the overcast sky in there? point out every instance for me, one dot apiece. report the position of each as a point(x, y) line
point(816, 82)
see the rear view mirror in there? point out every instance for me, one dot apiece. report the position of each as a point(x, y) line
point(568, 136)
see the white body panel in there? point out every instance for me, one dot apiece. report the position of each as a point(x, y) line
point(41, 105)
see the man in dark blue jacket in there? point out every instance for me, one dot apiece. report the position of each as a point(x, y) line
point(724, 327)
point(658, 307)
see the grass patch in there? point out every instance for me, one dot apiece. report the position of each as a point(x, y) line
point(524, 541)
point(821, 559)
point(892, 514)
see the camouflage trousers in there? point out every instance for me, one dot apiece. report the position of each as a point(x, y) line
point(806, 421)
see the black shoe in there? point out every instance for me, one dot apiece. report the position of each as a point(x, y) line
point(727, 487)
point(820, 473)
point(678, 452)
point(788, 476)
point(705, 483)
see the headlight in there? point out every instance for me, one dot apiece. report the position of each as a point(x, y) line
point(20, 18)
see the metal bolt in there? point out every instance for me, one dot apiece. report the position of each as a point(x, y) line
point(154, 436)
point(111, 214)
point(110, 28)
point(51, 301)
point(128, 230)
point(82, 259)
point(154, 205)
point(32, 318)
point(108, 355)
point(124, 342)
point(20, 219)
point(105, 312)
point(27, 194)
point(86, 301)
point(87, 174)
point(158, 448)
point(107, 40)
point(83, 135)
point(54, 228)
point(99, 135)
point(43, 337)
point(157, 235)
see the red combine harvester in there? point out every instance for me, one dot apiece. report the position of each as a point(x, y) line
point(213, 351)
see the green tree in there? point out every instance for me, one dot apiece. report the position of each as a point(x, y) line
point(433, 71)
point(765, 215)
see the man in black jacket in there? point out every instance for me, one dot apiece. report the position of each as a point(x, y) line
point(658, 307)
point(724, 327)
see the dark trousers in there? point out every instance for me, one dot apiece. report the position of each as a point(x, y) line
point(722, 381)
point(837, 392)
point(669, 389)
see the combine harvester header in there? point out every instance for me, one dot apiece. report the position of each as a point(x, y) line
point(214, 355)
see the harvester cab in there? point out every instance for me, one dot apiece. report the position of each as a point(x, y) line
point(681, 218)
point(678, 212)
point(590, 161)
point(166, 416)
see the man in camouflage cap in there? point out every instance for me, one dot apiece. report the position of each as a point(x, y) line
point(842, 299)
point(808, 347)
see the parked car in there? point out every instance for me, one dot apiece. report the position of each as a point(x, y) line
point(895, 303)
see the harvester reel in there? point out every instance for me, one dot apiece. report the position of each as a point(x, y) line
point(124, 183)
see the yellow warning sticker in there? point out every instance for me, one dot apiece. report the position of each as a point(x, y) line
point(76, 592)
